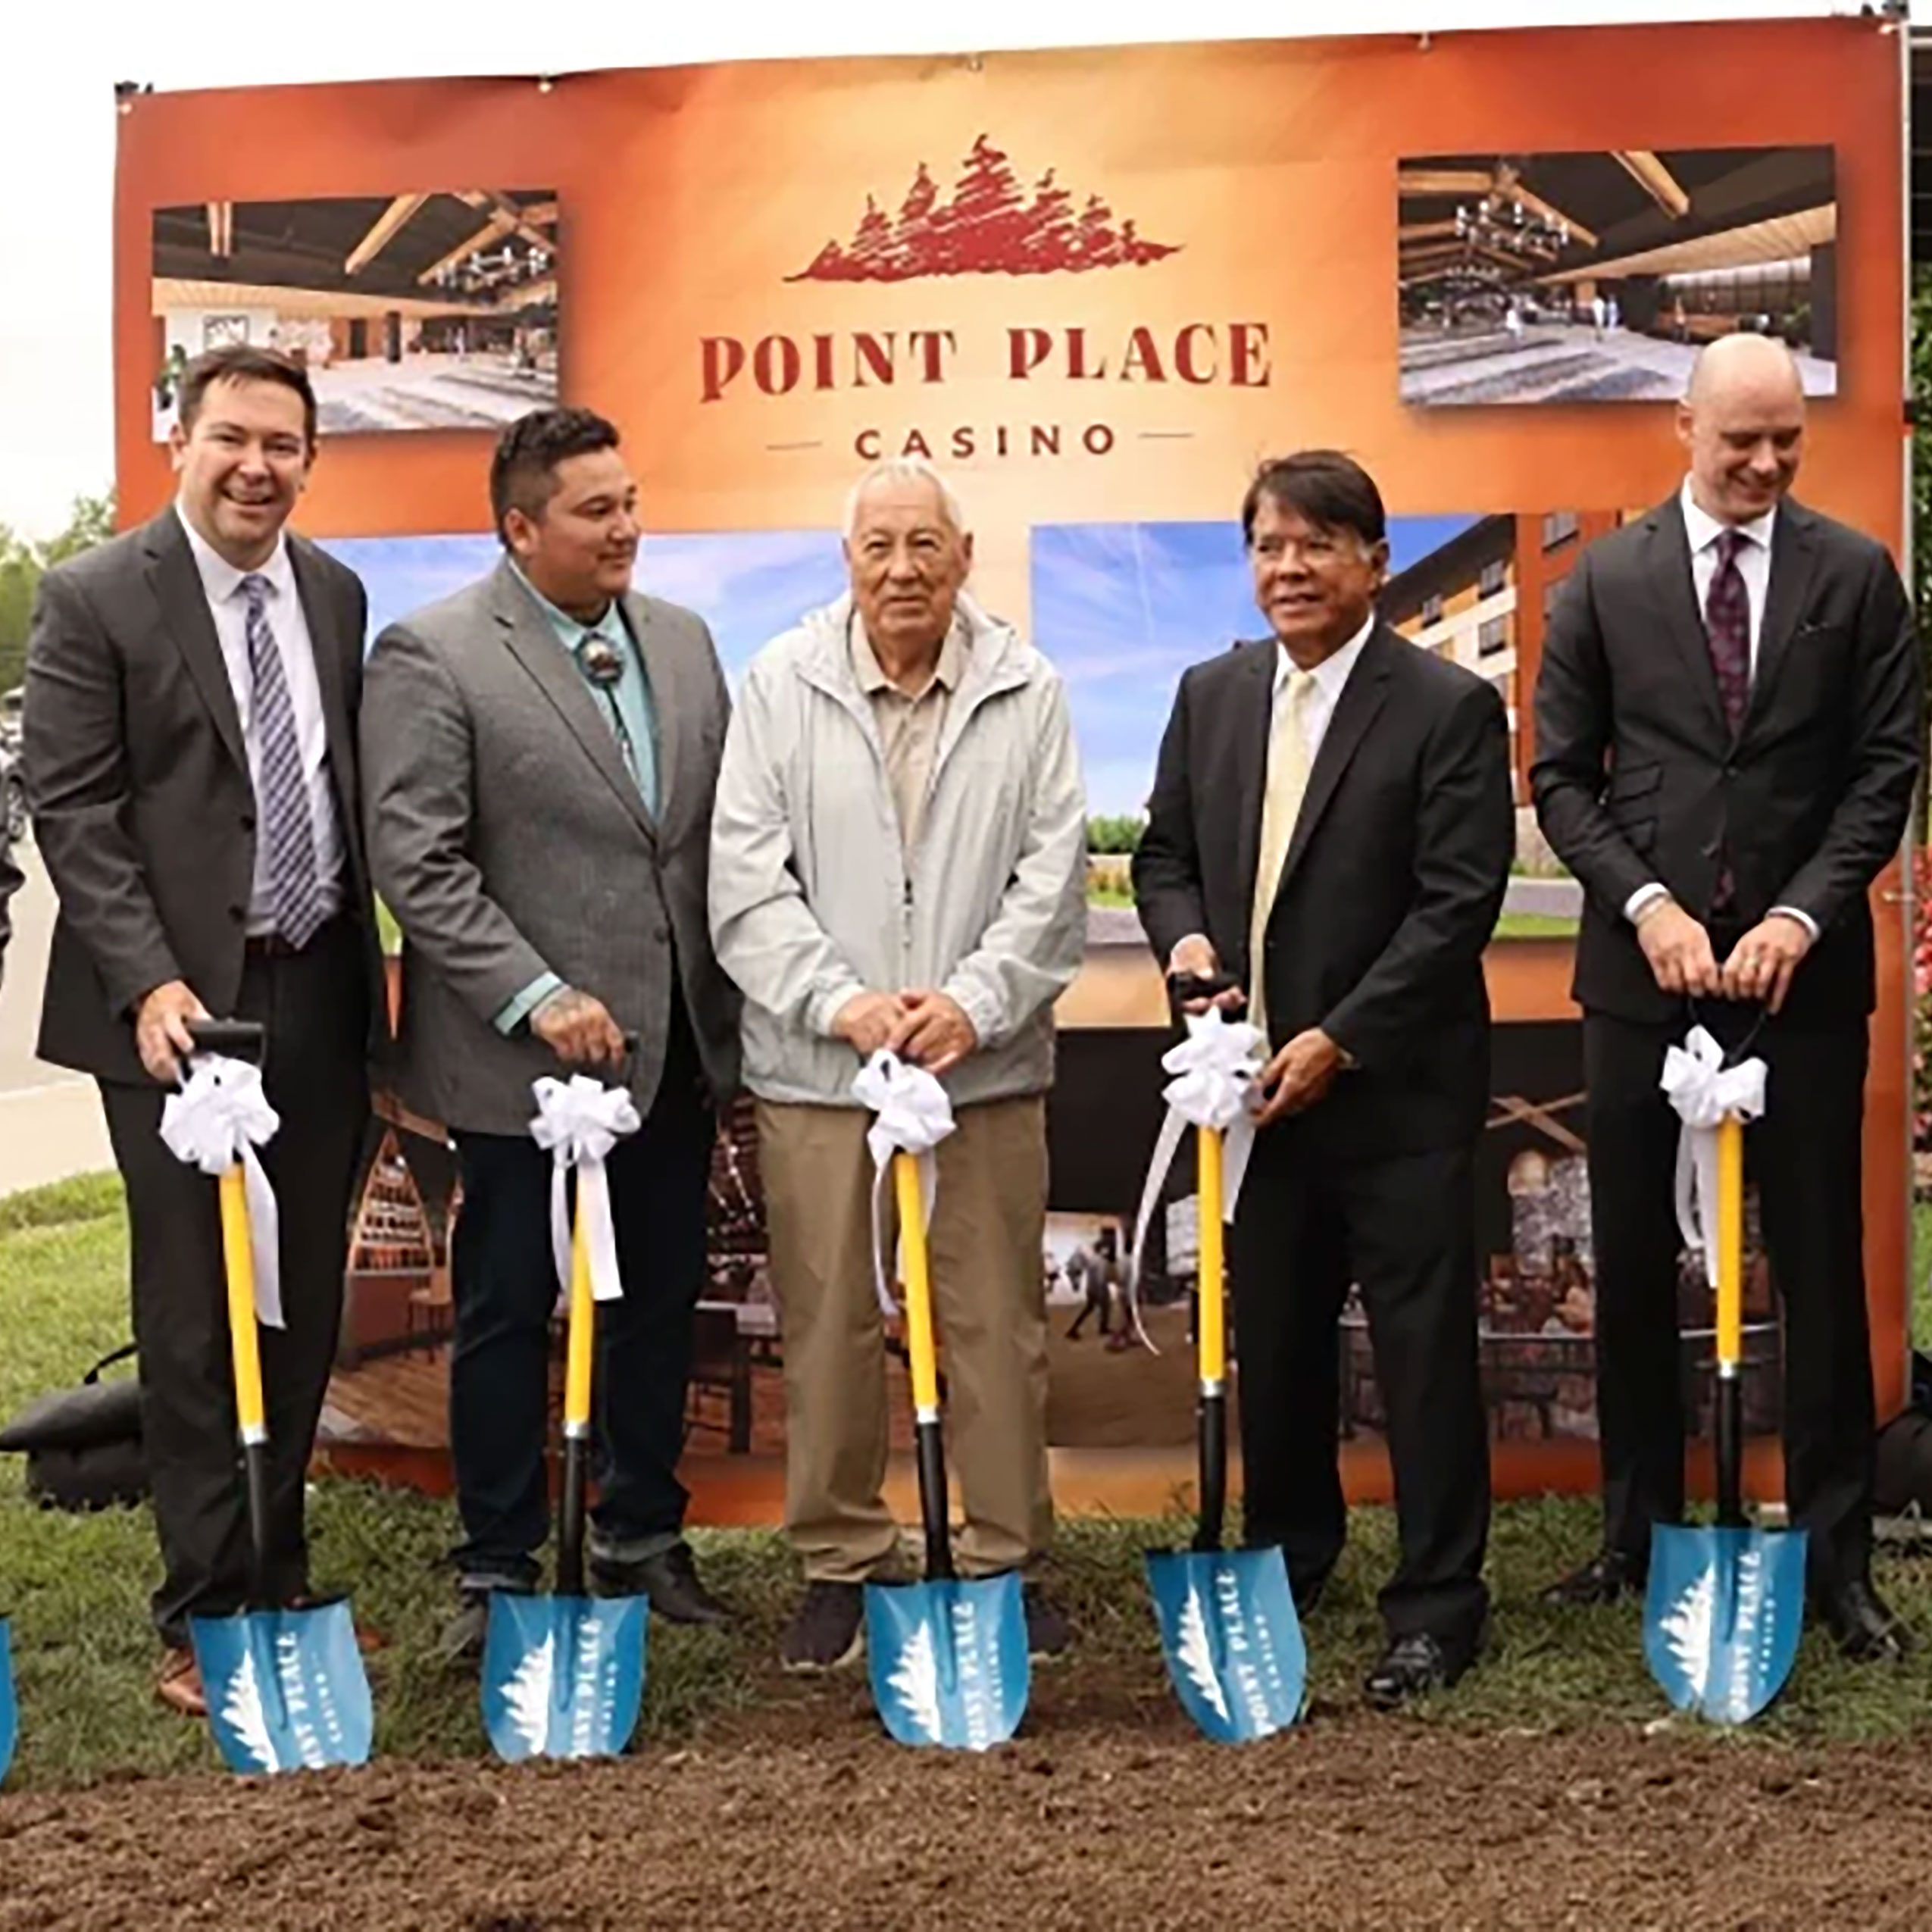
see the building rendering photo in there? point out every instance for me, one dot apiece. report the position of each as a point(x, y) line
point(1596, 277)
point(411, 311)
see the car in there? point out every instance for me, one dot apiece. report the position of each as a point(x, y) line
point(13, 791)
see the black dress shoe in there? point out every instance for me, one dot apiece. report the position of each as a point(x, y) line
point(1607, 1578)
point(1412, 1666)
point(1866, 1629)
point(670, 1580)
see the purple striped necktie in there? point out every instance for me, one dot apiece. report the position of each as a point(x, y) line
point(294, 875)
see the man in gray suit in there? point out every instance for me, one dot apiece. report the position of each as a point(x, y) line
point(541, 751)
point(189, 743)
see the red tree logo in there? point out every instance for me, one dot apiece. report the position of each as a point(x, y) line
point(988, 226)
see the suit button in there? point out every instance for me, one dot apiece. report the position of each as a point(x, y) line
point(247, 821)
point(1730, 772)
point(238, 913)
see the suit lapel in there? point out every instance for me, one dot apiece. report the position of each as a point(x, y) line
point(662, 672)
point(1668, 570)
point(1362, 698)
point(1794, 555)
point(182, 600)
point(529, 639)
point(1254, 716)
point(329, 645)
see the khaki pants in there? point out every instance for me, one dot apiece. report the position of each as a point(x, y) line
point(989, 1307)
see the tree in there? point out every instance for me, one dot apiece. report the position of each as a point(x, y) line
point(1119, 834)
point(23, 563)
point(985, 227)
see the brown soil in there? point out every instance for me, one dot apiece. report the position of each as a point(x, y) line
point(1102, 1815)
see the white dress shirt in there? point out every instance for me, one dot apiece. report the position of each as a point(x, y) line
point(228, 605)
point(1753, 559)
point(1329, 676)
point(1702, 531)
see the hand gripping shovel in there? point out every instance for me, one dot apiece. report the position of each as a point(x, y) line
point(948, 1657)
point(1233, 1643)
point(286, 1690)
point(1725, 1606)
point(563, 1676)
point(10, 1718)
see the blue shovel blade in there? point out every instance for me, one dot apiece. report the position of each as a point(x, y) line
point(1722, 1617)
point(948, 1660)
point(10, 1716)
point(286, 1690)
point(1234, 1642)
point(563, 1677)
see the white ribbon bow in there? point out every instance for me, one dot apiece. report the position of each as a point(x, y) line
point(578, 1121)
point(910, 1114)
point(1703, 1090)
point(1215, 1068)
point(221, 1116)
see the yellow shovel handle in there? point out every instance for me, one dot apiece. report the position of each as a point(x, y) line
point(582, 1325)
point(918, 1285)
point(1730, 1240)
point(1214, 1266)
point(244, 1344)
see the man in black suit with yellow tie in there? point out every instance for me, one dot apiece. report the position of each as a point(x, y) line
point(1331, 824)
point(190, 749)
point(1728, 729)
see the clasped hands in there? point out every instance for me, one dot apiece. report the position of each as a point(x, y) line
point(1299, 1075)
point(1760, 966)
point(928, 1028)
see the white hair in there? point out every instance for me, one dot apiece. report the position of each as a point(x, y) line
point(904, 470)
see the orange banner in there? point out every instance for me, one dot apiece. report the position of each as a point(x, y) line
point(1095, 287)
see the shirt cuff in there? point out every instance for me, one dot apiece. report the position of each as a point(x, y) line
point(527, 1001)
point(1803, 917)
point(1644, 895)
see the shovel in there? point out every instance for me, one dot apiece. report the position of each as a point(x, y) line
point(948, 1657)
point(10, 1716)
point(1228, 1626)
point(286, 1690)
point(563, 1676)
point(1725, 1606)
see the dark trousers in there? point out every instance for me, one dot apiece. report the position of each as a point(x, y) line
point(504, 1280)
point(1403, 1229)
point(1805, 1156)
point(314, 1005)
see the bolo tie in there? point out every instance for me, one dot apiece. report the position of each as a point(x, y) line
point(602, 664)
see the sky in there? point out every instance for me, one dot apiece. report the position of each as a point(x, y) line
point(57, 136)
point(1122, 609)
point(749, 587)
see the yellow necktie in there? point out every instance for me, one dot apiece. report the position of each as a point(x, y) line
point(1288, 763)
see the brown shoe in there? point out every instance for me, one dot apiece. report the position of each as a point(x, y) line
point(178, 1682)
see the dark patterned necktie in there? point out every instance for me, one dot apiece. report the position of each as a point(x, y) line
point(1727, 625)
point(294, 877)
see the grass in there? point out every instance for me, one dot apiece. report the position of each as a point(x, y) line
point(1511, 926)
point(77, 1589)
point(1535, 925)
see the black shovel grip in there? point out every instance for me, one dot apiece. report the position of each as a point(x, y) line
point(240, 1040)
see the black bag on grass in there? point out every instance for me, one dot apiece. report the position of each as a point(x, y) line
point(83, 1446)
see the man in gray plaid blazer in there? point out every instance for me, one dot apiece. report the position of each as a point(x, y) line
point(540, 753)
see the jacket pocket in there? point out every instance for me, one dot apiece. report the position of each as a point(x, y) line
point(1636, 781)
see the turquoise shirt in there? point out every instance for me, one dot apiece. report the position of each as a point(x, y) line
point(626, 707)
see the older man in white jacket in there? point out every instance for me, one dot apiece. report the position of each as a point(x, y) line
point(898, 854)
